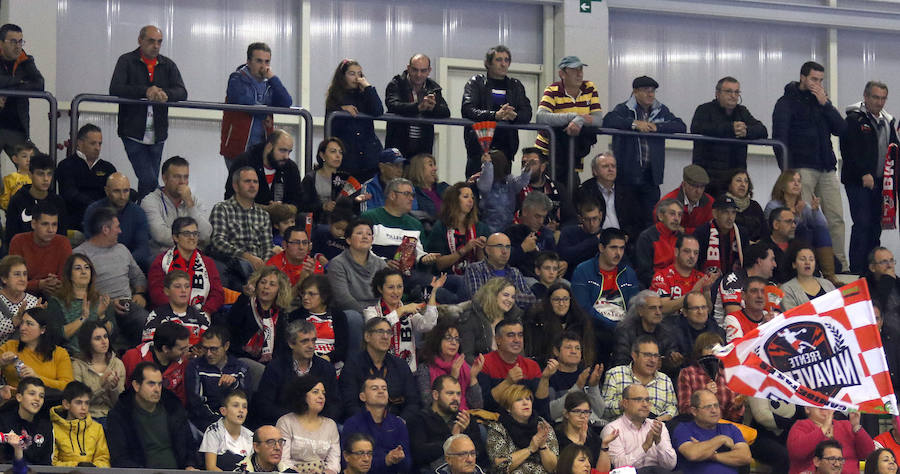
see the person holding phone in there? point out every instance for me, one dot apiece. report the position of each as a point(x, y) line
point(413, 94)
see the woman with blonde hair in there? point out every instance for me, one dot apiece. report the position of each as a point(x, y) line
point(253, 318)
point(520, 441)
point(493, 302)
point(422, 171)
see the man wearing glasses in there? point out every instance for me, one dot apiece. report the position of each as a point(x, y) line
point(460, 454)
point(497, 251)
point(641, 442)
point(884, 285)
point(17, 71)
point(643, 370)
point(704, 444)
point(295, 260)
point(682, 330)
point(268, 442)
point(829, 457)
point(358, 451)
point(212, 376)
point(724, 117)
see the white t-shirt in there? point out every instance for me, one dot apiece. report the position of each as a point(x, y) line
point(217, 440)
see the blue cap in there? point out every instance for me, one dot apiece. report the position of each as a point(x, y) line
point(391, 156)
point(572, 62)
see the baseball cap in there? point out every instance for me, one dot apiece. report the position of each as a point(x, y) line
point(725, 202)
point(570, 62)
point(391, 156)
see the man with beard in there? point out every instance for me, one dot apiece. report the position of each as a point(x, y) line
point(721, 241)
point(642, 442)
point(674, 282)
point(429, 428)
point(643, 370)
point(412, 94)
point(391, 452)
point(279, 176)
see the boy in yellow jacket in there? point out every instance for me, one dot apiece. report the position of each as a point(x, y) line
point(77, 439)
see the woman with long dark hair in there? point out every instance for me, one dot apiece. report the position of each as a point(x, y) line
point(804, 286)
point(97, 366)
point(313, 442)
point(440, 355)
point(351, 92)
point(750, 217)
point(457, 234)
point(321, 190)
point(77, 301)
point(881, 461)
point(35, 353)
point(546, 321)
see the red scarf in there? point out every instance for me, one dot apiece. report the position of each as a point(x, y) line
point(460, 266)
point(888, 193)
point(263, 341)
point(440, 367)
point(403, 344)
point(714, 262)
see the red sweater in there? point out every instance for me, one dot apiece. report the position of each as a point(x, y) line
point(214, 299)
point(173, 376)
point(696, 218)
point(41, 261)
point(805, 435)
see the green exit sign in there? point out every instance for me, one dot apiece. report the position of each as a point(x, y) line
point(585, 5)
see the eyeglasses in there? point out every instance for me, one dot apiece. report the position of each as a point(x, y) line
point(834, 459)
point(889, 261)
point(450, 338)
point(367, 454)
point(408, 194)
point(311, 294)
point(381, 332)
point(701, 307)
point(212, 349)
point(192, 235)
point(468, 454)
point(580, 412)
point(709, 407)
point(560, 299)
point(272, 442)
point(500, 246)
point(730, 91)
point(649, 355)
point(639, 399)
point(20, 42)
point(298, 242)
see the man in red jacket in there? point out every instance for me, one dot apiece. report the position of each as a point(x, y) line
point(691, 193)
point(168, 348)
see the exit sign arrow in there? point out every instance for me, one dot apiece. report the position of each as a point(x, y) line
point(585, 6)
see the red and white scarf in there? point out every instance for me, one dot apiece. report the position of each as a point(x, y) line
point(263, 341)
point(460, 266)
point(403, 344)
point(888, 193)
point(713, 262)
point(195, 268)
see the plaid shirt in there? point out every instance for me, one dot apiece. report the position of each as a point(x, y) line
point(662, 393)
point(236, 230)
point(693, 377)
point(477, 274)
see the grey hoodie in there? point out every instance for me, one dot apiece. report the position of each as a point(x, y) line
point(351, 283)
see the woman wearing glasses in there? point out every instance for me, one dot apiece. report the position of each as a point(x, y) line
point(315, 307)
point(546, 321)
point(313, 443)
point(804, 286)
point(207, 293)
point(575, 428)
point(440, 356)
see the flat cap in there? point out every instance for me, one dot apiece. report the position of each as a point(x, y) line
point(644, 81)
point(696, 175)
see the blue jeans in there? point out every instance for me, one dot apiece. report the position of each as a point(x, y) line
point(145, 161)
point(865, 234)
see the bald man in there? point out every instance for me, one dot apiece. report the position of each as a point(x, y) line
point(413, 94)
point(132, 219)
point(496, 264)
point(268, 446)
point(145, 74)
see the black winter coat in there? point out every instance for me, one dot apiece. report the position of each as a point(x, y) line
point(806, 128)
point(131, 79)
point(288, 174)
point(859, 146)
point(477, 105)
point(126, 448)
point(23, 76)
point(399, 100)
point(711, 119)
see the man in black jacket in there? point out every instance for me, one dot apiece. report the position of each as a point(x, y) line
point(804, 119)
point(413, 94)
point(429, 428)
point(870, 130)
point(494, 96)
point(144, 73)
point(148, 427)
point(274, 155)
point(724, 117)
point(82, 175)
point(17, 71)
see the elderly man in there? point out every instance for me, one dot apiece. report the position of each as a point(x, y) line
point(697, 203)
point(674, 282)
point(656, 244)
point(392, 453)
point(253, 83)
point(537, 161)
point(643, 370)
point(724, 117)
point(173, 200)
point(495, 264)
point(390, 167)
point(132, 220)
point(615, 201)
point(530, 236)
point(884, 285)
point(358, 451)
point(459, 450)
point(497, 97)
point(641, 442)
point(704, 444)
point(413, 94)
point(241, 230)
point(642, 158)
point(268, 442)
point(146, 74)
point(282, 186)
point(82, 176)
point(430, 428)
point(804, 119)
point(569, 105)
point(643, 319)
point(721, 240)
point(870, 130)
point(17, 71)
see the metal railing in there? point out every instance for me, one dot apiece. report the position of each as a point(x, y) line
point(52, 115)
point(692, 137)
point(445, 121)
point(191, 104)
